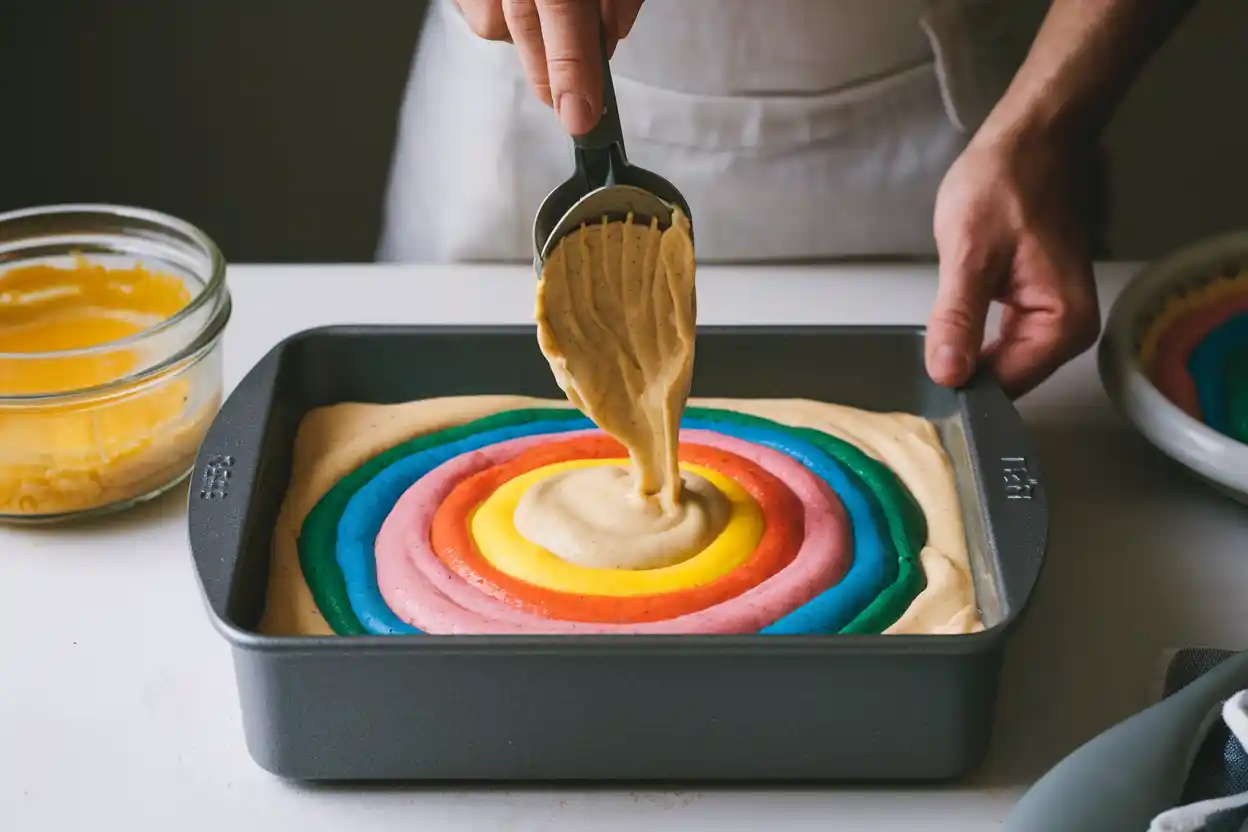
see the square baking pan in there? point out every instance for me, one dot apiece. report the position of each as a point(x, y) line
point(625, 708)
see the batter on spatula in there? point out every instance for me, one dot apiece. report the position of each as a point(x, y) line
point(616, 314)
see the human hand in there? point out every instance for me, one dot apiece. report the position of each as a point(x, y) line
point(1011, 226)
point(558, 45)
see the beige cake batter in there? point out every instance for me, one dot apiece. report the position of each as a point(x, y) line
point(332, 441)
point(590, 517)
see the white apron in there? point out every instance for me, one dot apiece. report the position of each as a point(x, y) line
point(796, 129)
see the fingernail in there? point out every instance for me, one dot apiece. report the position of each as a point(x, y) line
point(574, 113)
point(950, 361)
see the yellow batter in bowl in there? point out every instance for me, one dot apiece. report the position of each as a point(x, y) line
point(74, 435)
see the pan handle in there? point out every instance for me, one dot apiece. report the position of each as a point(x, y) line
point(1012, 487)
point(223, 481)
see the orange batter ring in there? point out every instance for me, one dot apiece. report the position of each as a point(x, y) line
point(452, 542)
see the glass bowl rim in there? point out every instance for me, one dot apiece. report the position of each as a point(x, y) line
point(215, 282)
point(214, 291)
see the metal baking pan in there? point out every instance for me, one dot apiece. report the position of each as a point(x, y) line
point(637, 708)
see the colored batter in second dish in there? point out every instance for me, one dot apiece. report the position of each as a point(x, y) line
point(1195, 354)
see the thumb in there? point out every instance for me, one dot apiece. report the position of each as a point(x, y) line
point(955, 329)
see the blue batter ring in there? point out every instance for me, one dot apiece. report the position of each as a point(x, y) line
point(1207, 367)
point(874, 563)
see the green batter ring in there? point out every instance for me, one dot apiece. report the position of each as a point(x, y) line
point(903, 516)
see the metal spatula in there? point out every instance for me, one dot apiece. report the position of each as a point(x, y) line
point(604, 184)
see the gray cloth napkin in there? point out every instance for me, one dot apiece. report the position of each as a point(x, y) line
point(1134, 776)
point(1215, 796)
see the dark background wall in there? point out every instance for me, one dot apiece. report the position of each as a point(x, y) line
point(270, 123)
point(267, 122)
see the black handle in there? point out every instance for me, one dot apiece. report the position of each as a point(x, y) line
point(223, 481)
point(1012, 491)
point(600, 152)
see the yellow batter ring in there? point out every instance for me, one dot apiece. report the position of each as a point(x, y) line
point(507, 550)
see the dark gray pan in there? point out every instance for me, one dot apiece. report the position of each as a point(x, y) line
point(627, 708)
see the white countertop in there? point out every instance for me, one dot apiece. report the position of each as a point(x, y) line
point(117, 698)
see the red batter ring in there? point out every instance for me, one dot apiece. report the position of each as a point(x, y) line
point(452, 541)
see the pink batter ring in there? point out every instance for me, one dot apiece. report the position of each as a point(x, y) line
point(422, 591)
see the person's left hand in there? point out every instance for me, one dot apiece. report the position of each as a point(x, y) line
point(1011, 226)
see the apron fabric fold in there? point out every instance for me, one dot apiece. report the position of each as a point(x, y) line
point(797, 129)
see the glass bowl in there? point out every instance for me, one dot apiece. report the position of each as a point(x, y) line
point(94, 427)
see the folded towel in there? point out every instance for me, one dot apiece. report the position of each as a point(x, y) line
point(1215, 795)
point(1141, 774)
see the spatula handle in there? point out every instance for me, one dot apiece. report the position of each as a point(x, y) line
point(600, 152)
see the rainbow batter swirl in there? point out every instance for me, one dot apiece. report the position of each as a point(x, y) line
point(822, 537)
point(1196, 354)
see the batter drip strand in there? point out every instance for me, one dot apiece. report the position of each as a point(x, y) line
point(616, 314)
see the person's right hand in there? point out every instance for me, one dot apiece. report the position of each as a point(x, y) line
point(558, 45)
